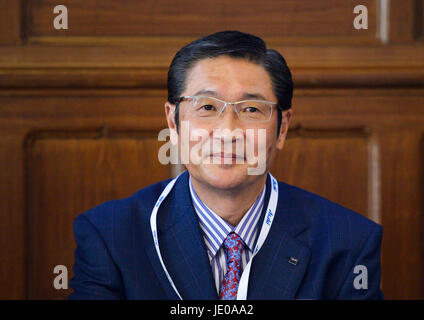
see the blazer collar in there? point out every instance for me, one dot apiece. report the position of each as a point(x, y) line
point(277, 269)
point(182, 247)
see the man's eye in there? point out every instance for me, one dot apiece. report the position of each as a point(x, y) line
point(251, 109)
point(208, 107)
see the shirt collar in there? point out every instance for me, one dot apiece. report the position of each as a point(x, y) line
point(215, 229)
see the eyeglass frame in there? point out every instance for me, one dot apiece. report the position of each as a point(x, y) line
point(272, 104)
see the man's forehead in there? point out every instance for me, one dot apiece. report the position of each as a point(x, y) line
point(216, 94)
point(223, 76)
point(213, 67)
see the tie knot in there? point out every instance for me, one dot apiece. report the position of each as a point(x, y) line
point(233, 244)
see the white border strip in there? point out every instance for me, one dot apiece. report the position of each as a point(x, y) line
point(383, 20)
point(374, 183)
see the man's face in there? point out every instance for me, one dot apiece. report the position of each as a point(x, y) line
point(230, 80)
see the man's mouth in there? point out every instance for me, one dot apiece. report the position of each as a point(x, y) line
point(226, 155)
point(229, 158)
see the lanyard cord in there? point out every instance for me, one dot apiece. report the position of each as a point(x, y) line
point(266, 225)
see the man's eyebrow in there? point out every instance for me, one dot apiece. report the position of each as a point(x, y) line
point(255, 96)
point(206, 92)
point(245, 96)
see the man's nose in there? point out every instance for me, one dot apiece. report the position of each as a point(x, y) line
point(227, 127)
point(228, 119)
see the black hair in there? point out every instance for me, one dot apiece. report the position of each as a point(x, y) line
point(237, 45)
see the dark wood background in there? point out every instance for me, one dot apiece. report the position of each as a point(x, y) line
point(80, 111)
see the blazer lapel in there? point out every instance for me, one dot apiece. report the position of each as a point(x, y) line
point(182, 247)
point(279, 267)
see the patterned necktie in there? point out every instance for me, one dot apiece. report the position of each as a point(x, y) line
point(233, 246)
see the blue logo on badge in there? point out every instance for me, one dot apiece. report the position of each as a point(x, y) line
point(159, 201)
point(274, 185)
point(268, 217)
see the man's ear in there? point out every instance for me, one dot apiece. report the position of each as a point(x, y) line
point(170, 119)
point(284, 128)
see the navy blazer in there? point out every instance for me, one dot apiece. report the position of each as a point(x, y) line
point(115, 256)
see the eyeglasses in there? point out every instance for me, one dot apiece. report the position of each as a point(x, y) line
point(211, 108)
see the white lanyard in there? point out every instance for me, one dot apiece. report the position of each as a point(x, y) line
point(266, 225)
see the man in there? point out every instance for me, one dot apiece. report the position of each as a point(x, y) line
point(220, 230)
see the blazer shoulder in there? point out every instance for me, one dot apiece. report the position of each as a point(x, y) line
point(321, 212)
point(120, 210)
point(339, 239)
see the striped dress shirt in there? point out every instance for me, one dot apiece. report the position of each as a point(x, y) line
point(215, 230)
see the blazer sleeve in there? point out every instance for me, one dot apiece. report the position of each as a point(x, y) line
point(96, 276)
point(363, 278)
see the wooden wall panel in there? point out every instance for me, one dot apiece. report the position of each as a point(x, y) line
point(332, 163)
point(405, 20)
point(42, 135)
point(68, 175)
point(290, 20)
point(11, 21)
point(402, 188)
point(419, 24)
point(12, 214)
